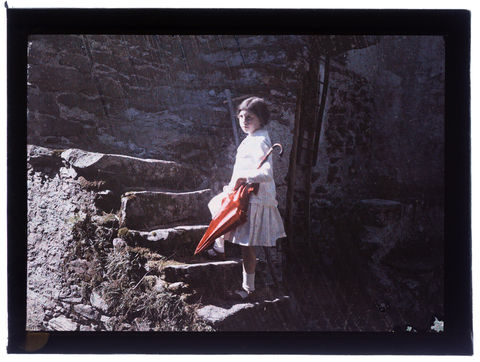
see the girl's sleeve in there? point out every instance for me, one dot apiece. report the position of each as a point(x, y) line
point(264, 173)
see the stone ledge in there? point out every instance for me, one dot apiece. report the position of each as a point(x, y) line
point(43, 157)
point(130, 171)
point(170, 239)
point(145, 209)
point(263, 315)
point(204, 273)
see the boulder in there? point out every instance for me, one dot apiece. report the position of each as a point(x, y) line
point(264, 315)
point(98, 301)
point(86, 311)
point(62, 323)
point(178, 288)
point(43, 157)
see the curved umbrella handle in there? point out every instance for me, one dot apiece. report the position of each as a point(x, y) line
point(269, 152)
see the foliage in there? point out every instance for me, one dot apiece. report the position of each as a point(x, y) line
point(125, 234)
point(119, 276)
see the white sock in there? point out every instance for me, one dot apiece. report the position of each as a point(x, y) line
point(248, 282)
point(219, 245)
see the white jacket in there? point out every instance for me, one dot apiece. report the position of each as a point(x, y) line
point(249, 155)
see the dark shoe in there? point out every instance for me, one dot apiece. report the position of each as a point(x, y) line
point(241, 295)
point(212, 254)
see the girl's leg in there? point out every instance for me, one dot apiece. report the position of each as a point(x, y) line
point(219, 244)
point(249, 263)
point(249, 259)
point(218, 250)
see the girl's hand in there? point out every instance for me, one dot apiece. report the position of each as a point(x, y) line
point(239, 183)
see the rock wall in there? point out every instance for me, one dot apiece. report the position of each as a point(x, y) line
point(407, 79)
point(160, 97)
point(164, 97)
point(55, 202)
point(384, 121)
point(383, 132)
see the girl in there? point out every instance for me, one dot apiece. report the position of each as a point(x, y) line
point(264, 224)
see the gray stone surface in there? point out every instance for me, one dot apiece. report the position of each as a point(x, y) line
point(86, 311)
point(147, 209)
point(98, 302)
point(378, 212)
point(178, 288)
point(132, 171)
point(204, 273)
point(261, 315)
point(169, 239)
point(62, 323)
point(55, 202)
point(163, 98)
point(42, 156)
point(215, 315)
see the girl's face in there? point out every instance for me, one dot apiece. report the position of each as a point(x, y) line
point(249, 122)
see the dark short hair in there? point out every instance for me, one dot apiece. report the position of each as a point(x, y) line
point(258, 107)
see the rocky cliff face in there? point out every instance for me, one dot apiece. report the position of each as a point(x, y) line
point(55, 202)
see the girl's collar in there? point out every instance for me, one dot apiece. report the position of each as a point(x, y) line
point(256, 131)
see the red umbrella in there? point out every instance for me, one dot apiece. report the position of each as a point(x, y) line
point(233, 210)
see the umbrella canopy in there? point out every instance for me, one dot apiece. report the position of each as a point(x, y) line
point(232, 214)
point(233, 211)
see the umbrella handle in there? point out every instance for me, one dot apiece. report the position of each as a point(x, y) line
point(269, 153)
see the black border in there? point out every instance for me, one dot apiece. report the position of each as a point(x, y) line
point(454, 25)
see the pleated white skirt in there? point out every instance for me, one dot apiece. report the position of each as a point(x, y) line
point(264, 225)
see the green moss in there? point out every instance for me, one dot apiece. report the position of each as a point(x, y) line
point(57, 153)
point(96, 185)
point(125, 234)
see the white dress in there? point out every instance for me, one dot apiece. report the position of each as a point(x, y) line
point(264, 224)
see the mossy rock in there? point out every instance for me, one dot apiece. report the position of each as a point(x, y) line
point(108, 220)
point(125, 234)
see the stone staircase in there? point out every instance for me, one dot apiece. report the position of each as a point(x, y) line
point(163, 207)
point(171, 222)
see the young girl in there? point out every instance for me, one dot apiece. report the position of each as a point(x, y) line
point(264, 224)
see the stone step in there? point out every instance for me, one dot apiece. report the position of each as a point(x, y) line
point(167, 241)
point(211, 276)
point(204, 274)
point(270, 314)
point(142, 210)
point(123, 172)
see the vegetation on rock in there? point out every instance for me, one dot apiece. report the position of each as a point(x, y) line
point(119, 276)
